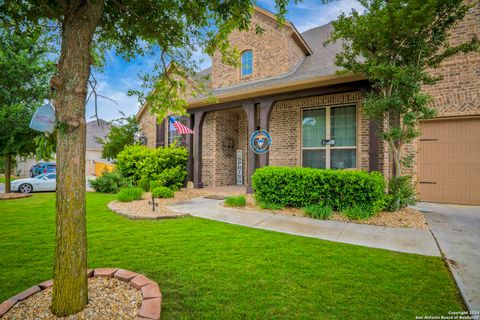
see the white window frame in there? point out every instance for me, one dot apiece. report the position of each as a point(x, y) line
point(328, 130)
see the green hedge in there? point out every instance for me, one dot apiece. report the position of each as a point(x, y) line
point(166, 166)
point(300, 187)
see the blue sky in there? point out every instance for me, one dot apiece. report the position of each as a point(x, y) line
point(119, 76)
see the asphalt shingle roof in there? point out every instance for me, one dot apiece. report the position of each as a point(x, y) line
point(320, 62)
point(95, 130)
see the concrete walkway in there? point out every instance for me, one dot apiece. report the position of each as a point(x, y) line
point(396, 239)
point(457, 230)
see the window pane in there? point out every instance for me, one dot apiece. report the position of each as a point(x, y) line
point(342, 158)
point(343, 126)
point(313, 128)
point(247, 63)
point(314, 158)
point(173, 135)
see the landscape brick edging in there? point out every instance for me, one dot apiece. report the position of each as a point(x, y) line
point(132, 216)
point(152, 297)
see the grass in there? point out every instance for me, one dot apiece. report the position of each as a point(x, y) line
point(236, 201)
point(128, 194)
point(318, 211)
point(210, 270)
point(2, 179)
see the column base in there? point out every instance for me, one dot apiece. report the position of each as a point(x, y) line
point(198, 185)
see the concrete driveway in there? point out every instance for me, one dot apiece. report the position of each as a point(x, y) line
point(457, 230)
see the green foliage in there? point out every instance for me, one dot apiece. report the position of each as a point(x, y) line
point(396, 44)
point(301, 187)
point(162, 192)
point(166, 166)
point(318, 211)
point(128, 194)
point(236, 201)
point(110, 182)
point(24, 75)
point(359, 212)
point(270, 206)
point(122, 134)
point(401, 193)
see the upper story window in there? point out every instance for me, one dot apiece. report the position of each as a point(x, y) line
point(247, 63)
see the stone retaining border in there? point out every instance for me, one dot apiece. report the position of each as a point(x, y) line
point(13, 196)
point(132, 216)
point(152, 298)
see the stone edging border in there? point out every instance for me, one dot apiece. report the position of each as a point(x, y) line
point(152, 298)
point(132, 216)
point(13, 196)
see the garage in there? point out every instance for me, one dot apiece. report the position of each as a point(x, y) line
point(449, 161)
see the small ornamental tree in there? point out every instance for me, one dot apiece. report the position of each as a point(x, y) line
point(395, 44)
point(122, 134)
point(86, 29)
point(24, 75)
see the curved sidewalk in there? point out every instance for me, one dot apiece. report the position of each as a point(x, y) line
point(417, 241)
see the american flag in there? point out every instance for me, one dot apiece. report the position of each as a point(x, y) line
point(181, 128)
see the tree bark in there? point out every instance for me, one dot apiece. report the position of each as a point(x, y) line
point(8, 172)
point(70, 266)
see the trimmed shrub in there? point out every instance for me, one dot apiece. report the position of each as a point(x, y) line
point(162, 192)
point(110, 182)
point(166, 165)
point(270, 206)
point(318, 211)
point(129, 194)
point(401, 193)
point(300, 187)
point(236, 201)
point(358, 212)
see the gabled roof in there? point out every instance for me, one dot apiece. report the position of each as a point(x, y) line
point(96, 129)
point(316, 69)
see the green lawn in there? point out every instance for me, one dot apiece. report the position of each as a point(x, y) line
point(211, 270)
point(2, 179)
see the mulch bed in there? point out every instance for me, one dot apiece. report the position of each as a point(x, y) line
point(112, 294)
point(404, 218)
point(141, 209)
point(11, 196)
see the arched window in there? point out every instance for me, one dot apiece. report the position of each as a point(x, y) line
point(247, 63)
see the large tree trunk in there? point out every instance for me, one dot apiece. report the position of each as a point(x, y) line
point(70, 267)
point(8, 172)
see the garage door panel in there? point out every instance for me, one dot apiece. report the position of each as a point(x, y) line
point(449, 161)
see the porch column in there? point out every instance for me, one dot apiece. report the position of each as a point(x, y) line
point(373, 146)
point(198, 118)
point(189, 145)
point(265, 109)
point(249, 109)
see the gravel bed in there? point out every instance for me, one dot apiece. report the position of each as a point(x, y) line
point(404, 218)
point(109, 298)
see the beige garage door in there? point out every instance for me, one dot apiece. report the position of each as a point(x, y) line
point(449, 161)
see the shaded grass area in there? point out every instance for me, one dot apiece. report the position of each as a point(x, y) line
point(211, 270)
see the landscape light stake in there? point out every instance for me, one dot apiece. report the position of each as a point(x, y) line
point(153, 203)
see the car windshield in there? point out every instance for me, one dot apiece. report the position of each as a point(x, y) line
point(51, 166)
point(40, 176)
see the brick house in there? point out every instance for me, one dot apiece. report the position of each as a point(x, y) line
point(287, 84)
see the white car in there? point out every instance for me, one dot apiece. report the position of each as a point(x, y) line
point(43, 182)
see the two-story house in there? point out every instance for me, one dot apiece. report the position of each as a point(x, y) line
point(286, 83)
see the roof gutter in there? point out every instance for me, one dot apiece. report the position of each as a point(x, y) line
point(317, 81)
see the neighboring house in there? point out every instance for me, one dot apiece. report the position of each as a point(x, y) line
point(95, 129)
point(93, 154)
point(287, 84)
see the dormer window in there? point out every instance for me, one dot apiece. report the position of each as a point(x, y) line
point(247, 63)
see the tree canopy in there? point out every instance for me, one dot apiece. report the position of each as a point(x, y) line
point(24, 84)
point(396, 44)
point(85, 30)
